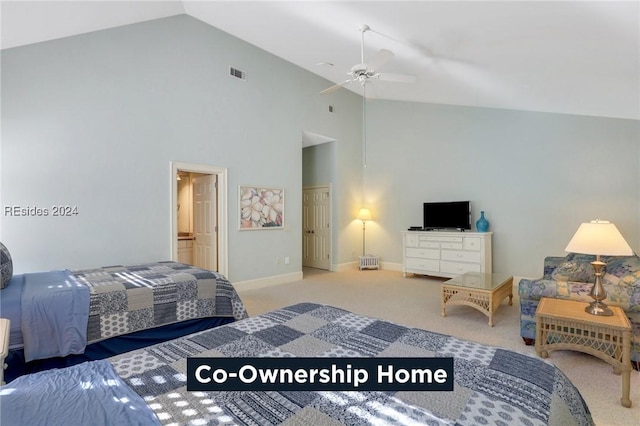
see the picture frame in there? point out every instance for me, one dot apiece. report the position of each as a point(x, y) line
point(260, 208)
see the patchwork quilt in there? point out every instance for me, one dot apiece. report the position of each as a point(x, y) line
point(58, 313)
point(492, 385)
point(124, 299)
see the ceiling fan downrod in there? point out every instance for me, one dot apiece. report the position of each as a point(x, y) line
point(363, 29)
point(363, 81)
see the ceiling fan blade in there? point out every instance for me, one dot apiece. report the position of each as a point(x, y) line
point(398, 78)
point(336, 87)
point(381, 58)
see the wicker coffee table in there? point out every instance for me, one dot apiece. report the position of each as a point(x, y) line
point(483, 292)
point(563, 324)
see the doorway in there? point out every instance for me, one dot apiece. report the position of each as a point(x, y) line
point(316, 227)
point(205, 213)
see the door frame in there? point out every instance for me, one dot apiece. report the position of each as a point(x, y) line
point(221, 202)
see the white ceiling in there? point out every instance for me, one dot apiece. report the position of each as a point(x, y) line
point(578, 57)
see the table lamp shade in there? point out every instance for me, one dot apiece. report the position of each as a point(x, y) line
point(599, 237)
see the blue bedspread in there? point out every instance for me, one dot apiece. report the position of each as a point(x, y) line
point(90, 393)
point(55, 313)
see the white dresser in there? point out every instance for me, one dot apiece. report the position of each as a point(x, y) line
point(445, 254)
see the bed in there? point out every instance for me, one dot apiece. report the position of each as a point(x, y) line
point(103, 311)
point(492, 385)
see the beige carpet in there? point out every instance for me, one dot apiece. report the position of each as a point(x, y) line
point(415, 301)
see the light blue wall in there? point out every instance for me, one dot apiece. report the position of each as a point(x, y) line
point(318, 163)
point(537, 176)
point(95, 120)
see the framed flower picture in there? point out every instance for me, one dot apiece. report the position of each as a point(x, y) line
point(260, 208)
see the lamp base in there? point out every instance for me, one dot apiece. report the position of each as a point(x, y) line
point(598, 308)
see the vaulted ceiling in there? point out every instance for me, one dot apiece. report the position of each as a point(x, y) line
point(577, 57)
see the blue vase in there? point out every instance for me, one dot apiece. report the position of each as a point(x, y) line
point(482, 224)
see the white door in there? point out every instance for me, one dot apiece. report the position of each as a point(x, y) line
point(316, 227)
point(205, 223)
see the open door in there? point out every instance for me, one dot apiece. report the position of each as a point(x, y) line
point(205, 222)
point(212, 233)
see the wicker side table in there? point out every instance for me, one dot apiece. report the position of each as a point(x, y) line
point(564, 325)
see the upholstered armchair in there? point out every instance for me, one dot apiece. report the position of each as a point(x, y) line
point(571, 277)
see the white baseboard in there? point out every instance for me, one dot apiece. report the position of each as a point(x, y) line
point(295, 276)
point(342, 267)
point(267, 281)
point(348, 266)
point(389, 266)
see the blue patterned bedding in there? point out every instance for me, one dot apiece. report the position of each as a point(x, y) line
point(55, 309)
point(70, 399)
point(492, 385)
point(125, 299)
point(121, 300)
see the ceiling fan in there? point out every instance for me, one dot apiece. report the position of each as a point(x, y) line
point(364, 72)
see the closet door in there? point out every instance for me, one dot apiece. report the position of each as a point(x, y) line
point(316, 227)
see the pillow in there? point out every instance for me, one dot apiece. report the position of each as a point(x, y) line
point(575, 268)
point(6, 266)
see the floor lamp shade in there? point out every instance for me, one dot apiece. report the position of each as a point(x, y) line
point(364, 215)
point(599, 237)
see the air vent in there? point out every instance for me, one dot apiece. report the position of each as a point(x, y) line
point(237, 73)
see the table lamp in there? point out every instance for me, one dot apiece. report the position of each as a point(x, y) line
point(598, 237)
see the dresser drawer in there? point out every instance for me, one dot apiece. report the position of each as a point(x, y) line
point(461, 256)
point(422, 253)
point(430, 265)
point(458, 267)
point(472, 244)
point(429, 244)
point(412, 240)
point(442, 239)
point(452, 246)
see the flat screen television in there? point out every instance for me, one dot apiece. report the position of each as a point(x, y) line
point(447, 215)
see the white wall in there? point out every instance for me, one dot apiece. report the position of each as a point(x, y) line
point(537, 176)
point(94, 121)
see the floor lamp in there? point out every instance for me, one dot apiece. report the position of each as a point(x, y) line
point(599, 237)
point(364, 215)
